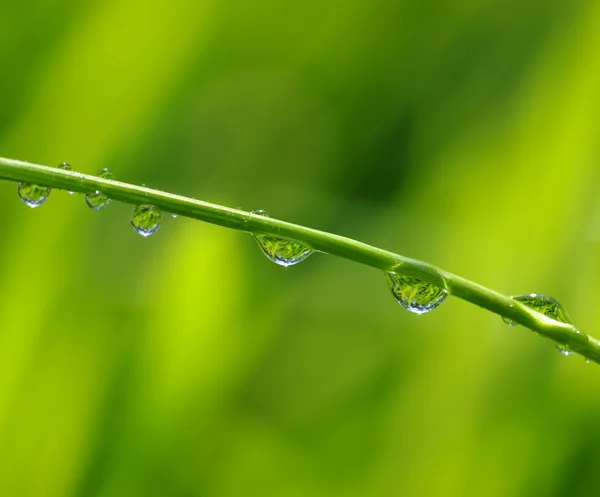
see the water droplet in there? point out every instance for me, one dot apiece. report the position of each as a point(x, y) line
point(415, 295)
point(548, 307)
point(174, 216)
point(543, 304)
point(33, 195)
point(146, 219)
point(97, 200)
point(65, 166)
point(282, 251)
point(563, 349)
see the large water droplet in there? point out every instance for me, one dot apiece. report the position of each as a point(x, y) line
point(33, 195)
point(282, 251)
point(97, 200)
point(65, 166)
point(415, 295)
point(548, 307)
point(146, 220)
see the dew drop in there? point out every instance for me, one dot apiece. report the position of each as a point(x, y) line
point(543, 304)
point(415, 295)
point(65, 166)
point(97, 200)
point(563, 349)
point(146, 220)
point(174, 216)
point(33, 195)
point(548, 307)
point(282, 251)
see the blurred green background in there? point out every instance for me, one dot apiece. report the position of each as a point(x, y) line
point(462, 133)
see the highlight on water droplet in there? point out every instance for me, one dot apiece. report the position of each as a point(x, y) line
point(548, 307)
point(97, 200)
point(415, 295)
point(65, 166)
point(146, 220)
point(282, 251)
point(33, 195)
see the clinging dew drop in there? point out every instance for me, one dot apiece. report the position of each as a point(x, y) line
point(415, 295)
point(33, 195)
point(97, 200)
point(65, 166)
point(548, 307)
point(146, 220)
point(281, 251)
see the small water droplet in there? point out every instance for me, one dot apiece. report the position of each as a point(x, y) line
point(146, 220)
point(65, 166)
point(508, 321)
point(97, 200)
point(282, 251)
point(174, 216)
point(415, 295)
point(33, 195)
point(548, 307)
point(563, 349)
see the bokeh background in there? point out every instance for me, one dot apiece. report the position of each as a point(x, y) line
point(462, 133)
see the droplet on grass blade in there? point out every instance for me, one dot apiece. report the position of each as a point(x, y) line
point(146, 220)
point(97, 200)
point(33, 195)
point(282, 251)
point(415, 295)
point(65, 166)
point(548, 307)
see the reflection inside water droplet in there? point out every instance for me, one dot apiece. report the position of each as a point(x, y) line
point(65, 166)
point(415, 295)
point(97, 200)
point(548, 307)
point(282, 251)
point(33, 195)
point(146, 220)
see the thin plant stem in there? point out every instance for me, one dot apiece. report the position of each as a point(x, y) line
point(321, 241)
